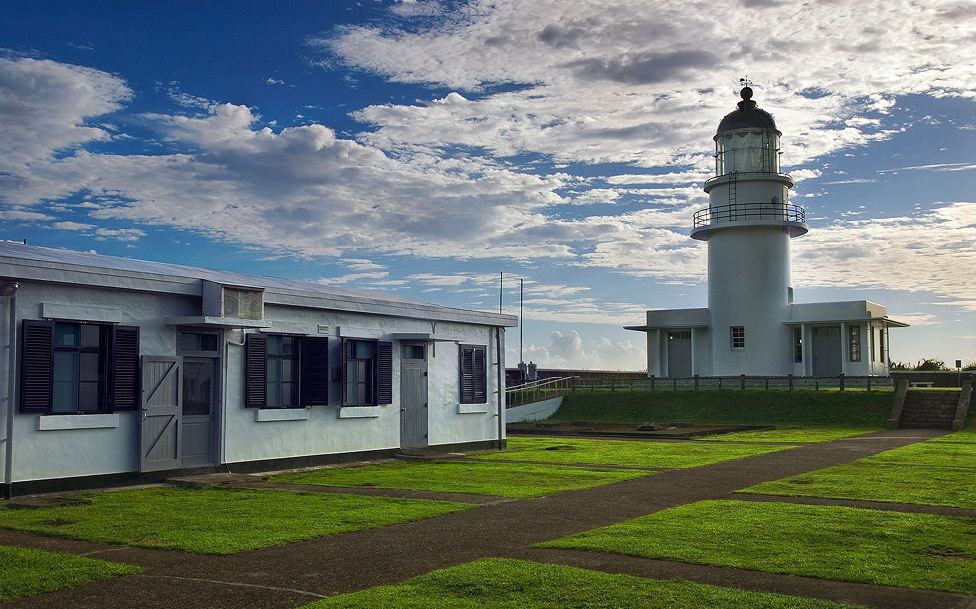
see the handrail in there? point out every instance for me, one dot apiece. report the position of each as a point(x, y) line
point(539, 390)
point(735, 212)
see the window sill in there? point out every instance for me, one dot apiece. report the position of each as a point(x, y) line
point(281, 414)
point(56, 422)
point(360, 412)
point(473, 408)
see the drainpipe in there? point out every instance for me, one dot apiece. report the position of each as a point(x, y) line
point(8, 293)
point(501, 385)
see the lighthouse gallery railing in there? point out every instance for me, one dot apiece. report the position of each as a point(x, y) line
point(735, 212)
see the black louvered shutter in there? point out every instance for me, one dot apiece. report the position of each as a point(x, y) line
point(124, 368)
point(315, 371)
point(346, 345)
point(37, 363)
point(467, 375)
point(384, 373)
point(256, 371)
point(480, 374)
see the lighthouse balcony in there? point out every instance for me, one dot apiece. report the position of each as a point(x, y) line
point(735, 215)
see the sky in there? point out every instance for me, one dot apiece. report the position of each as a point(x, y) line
point(543, 155)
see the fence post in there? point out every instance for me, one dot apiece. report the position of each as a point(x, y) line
point(869, 383)
point(652, 381)
point(791, 382)
point(742, 382)
point(841, 381)
point(816, 384)
point(767, 383)
point(719, 383)
point(613, 383)
point(696, 382)
point(675, 383)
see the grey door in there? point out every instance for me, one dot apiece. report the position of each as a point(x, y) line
point(413, 395)
point(198, 421)
point(162, 409)
point(826, 351)
point(679, 353)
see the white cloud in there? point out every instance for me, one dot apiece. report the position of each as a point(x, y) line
point(568, 351)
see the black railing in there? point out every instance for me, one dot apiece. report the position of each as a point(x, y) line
point(737, 212)
point(741, 382)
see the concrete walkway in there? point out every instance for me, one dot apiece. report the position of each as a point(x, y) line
point(300, 573)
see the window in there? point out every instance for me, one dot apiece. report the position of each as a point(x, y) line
point(798, 345)
point(738, 337)
point(286, 371)
point(881, 350)
point(74, 367)
point(854, 342)
point(242, 303)
point(474, 374)
point(871, 341)
point(367, 372)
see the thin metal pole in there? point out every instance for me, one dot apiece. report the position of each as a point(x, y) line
point(501, 289)
point(521, 318)
point(8, 472)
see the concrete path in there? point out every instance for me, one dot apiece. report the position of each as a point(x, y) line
point(300, 573)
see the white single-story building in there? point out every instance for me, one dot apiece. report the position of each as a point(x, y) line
point(122, 370)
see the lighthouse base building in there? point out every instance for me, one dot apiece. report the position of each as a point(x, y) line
point(751, 325)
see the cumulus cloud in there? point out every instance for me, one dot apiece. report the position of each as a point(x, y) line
point(569, 351)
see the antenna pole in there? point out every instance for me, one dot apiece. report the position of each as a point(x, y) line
point(501, 289)
point(521, 317)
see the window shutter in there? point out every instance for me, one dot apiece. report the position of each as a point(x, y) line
point(346, 345)
point(315, 371)
point(384, 372)
point(37, 362)
point(256, 371)
point(467, 375)
point(124, 368)
point(480, 380)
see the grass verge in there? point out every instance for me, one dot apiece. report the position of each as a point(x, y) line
point(624, 452)
point(846, 544)
point(861, 410)
point(28, 572)
point(499, 479)
point(218, 521)
point(507, 584)
point(927, 473)
point(800, 435)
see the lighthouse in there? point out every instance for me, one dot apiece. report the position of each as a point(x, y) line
point(748, 225)
point(752, 326)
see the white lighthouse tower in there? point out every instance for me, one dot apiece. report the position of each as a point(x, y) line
point(748, 226)
point(751, 326)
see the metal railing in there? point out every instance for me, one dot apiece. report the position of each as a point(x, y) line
point(740, 382)
point(735, 212)
point(537, 391)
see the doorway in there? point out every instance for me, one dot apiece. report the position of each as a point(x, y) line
point(200, 397)
point(413, 395)
point(826, 351)
point(679, 353)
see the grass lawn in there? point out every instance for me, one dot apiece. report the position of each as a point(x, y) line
point(928, 473)
point(625, 452)
point(218, 521)
point(510, 584)
point(787, 433)
point(28, 572)
point(846, 544)
point(864, 410)
point(499, 479)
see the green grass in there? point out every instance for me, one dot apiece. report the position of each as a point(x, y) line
point(789, 433)
point(846, 544)
point(218, 521)
point(514, 584)
point(28, 572)
point(858, 410)
point(499, 479)
point(928, 473)
point(624, 452)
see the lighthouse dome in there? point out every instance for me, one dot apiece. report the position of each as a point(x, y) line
point(747, 116)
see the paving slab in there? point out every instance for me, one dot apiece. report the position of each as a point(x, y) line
point(299, 573)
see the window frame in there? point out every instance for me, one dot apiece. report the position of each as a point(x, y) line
point(737, 338)
point(311, 371)
point(379, 388)
point(854, 343)
point(797, 345)
point(473, 374)
point(118, 383)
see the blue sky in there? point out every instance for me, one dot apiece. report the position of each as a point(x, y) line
point(422, 148)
